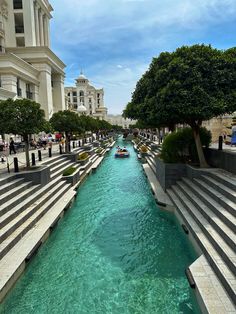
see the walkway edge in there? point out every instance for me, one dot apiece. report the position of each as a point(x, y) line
point(162, 199)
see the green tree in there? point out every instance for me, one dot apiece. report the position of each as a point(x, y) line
point(22, 117)
point(188, 86)
point(66, 122)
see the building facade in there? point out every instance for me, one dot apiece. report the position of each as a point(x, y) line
point(28, 67)
point(119, 120)
point(84, 95)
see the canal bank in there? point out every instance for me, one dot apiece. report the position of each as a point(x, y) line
point(114, 252)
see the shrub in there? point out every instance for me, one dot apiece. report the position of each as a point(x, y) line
point(83, 156)
point(99, 150)
point(180, 146)
point(143, 149)
point(69, 171)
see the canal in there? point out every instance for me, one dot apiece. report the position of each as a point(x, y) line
point(113, 252)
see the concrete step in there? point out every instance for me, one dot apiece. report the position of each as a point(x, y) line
point(18, 227)
point(18, 198)
point(52, 160)
point(225, 275)
point(223, 177)
point(57, 162)
point(10, 185)
point(220, 187)
point(216, 199)
point(151, 163)
point(204, 193)
point(222, 228)
point(6, 180)
point(60, 170)
point(32, 199)
point(4, 197)
point(59, 165)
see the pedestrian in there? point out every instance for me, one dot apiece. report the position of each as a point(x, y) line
point(12, 146)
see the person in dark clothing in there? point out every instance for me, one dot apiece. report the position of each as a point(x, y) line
point(12, 146)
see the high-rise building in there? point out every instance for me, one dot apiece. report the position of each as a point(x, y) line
point(28, 67)
point(86, 99)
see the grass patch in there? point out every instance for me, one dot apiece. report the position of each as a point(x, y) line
point(69, 171)
point(83, 156)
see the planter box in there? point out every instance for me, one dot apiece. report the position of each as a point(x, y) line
point(83, 161)
point(73, 178)
point(38, 175)
point(169, 174)
point(221, 159)
point(96, 144)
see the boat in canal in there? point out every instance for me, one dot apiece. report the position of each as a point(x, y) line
point(121, 153)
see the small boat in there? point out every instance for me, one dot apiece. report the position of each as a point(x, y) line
point(121, 153)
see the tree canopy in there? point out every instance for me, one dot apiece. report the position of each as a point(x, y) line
point(189, 85)
point(22, 117)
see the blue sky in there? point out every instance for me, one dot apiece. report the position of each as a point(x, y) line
point(114, 41)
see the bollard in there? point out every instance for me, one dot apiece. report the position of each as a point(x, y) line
point(16, 167)
point(60, 149)
point(33, 159)
point(79, 144)
point(50, 152)
point(73, 144)
point(69, 147)
point(2, 160)
point(39, 155)
point(220, 143)
point(8, 167)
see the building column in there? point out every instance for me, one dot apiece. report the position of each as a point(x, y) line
point(36, 15)
point(45, 29)
point(41, 28)
point(58, 92)
point(9, 82)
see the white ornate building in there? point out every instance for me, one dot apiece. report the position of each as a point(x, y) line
point(28, 68)
point(119, 120)
point(85, 98)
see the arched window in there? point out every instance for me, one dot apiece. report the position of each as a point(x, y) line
point(81, 93)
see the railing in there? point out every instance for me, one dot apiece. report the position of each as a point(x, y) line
point(19, 29)
point(17, 4)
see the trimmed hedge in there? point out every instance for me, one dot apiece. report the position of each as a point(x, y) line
point(69, 171)
point(143, 149)
point(99, 150)
point(83, 156)
point(179, 146)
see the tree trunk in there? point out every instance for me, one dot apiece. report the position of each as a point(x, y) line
point(67, 143)
point(26, 140)
point(201, 157)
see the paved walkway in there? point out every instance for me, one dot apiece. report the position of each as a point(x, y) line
point(8, 159)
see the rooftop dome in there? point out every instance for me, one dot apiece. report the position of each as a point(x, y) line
point(82, 76)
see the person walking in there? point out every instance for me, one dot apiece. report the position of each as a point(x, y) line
point(12, 146)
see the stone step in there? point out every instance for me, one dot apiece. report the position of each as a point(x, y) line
point(203, 193)
point(18, 227)
point(4, 197)
point(52, 160)
point(224, 177)
point(222, 228)
point(59, 172)
point(216, 199)
point(6, 180)
point(221, 188)
point(57, 162)
point(59, 166)
point(18, 198)
point(13, 263)
point(225, 275)
point(10, 185)
point(151, 164)
point(32, 199)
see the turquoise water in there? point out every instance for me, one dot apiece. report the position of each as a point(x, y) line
point(113, 252)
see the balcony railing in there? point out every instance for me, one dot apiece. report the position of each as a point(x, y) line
point(29, 95)
point(17, 4)
point(19, 29)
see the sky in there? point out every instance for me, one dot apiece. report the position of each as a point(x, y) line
point(113, 41)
